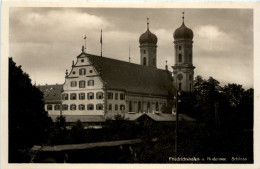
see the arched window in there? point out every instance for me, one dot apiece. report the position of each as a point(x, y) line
point(64, 107)
point(49, 107)
point(99, 106)
point(82, 71)
point(154, 62)
point(179, 47)
point(144, 51)
point(82, 84)
point(81, 107)
point(190, 58)
point(180, 57)
point(65, 96)
point(139, 106)
point(91, 83)
point(157, 106)
point(180, 86)
point(122, 107)
point(73, 107)
point(90, 95)
point(99, 95)
point(144, 61)
point(57, 107)
point(90, 107)
point(73, 83)
point(81, 96)
point(73, 96)
point(130, 106)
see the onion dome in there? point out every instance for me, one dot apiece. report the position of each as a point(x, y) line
point(148, 37)
point(183, 32)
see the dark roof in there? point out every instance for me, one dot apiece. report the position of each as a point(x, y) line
point(130, 77)
point(52, 93)
point(82, 118)
point(148, 37)
point(159, 117)
point(183, 33)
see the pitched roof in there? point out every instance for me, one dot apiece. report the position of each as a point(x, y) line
point(51, 93)
point(132, 77)
point(160, 117)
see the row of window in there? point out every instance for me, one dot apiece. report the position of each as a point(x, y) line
point(74, 107)
point(82, 107)
point(90, 96)
point(82, 71)
point(144, 61)
point(110, 96)
point(82, 83)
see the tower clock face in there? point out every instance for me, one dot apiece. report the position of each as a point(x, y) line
point(179, 76)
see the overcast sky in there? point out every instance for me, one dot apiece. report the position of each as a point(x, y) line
point(46, 40)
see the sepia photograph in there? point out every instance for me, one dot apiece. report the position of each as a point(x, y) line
point(127, 85)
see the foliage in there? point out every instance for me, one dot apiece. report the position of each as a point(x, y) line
point(29, 123)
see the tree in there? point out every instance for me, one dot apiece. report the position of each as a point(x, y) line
point(29, 123)
point(77, 132)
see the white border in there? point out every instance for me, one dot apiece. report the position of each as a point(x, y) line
point(4, 80)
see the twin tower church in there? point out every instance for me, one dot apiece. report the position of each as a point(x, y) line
point(97, 87)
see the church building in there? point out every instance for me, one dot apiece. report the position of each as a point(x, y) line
point(97, 87)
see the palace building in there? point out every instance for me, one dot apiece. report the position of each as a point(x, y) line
point(97, 87)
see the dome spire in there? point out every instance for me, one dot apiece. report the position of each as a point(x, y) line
point(147, 23)
point(182, 17)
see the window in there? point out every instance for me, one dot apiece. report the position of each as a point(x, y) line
point(122, 96)
point(179, 47)
point(157, 106)
point(180, 86)
point(82, 71)
point(64, 107)
point(81, 96)
point(148, 106)
point(74, 72)
point(90, 95)
point(99, 95)
point(65, 96)
point(73, 83)
point(144, 61)
point(144, 51)
point(139, 106)
point(99, 106)
point(116, 96)
point(130, 106)
point(180, 57)
point(116, 107)
point(90, 107)
point(110, 107)
point(91, 83)
point(110, 95)
point(81, 107)
point(57, 107)
point(82, 84)
point(49, 107)
point(82, 60)
point(154, 62)
point(91, 71)
point(122, 107)
point(73, 96)
point(73, 107)
point(190, 58)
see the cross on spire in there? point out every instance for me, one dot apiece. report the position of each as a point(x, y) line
point(85, 38)
point(182, 17)
point(147, 23)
